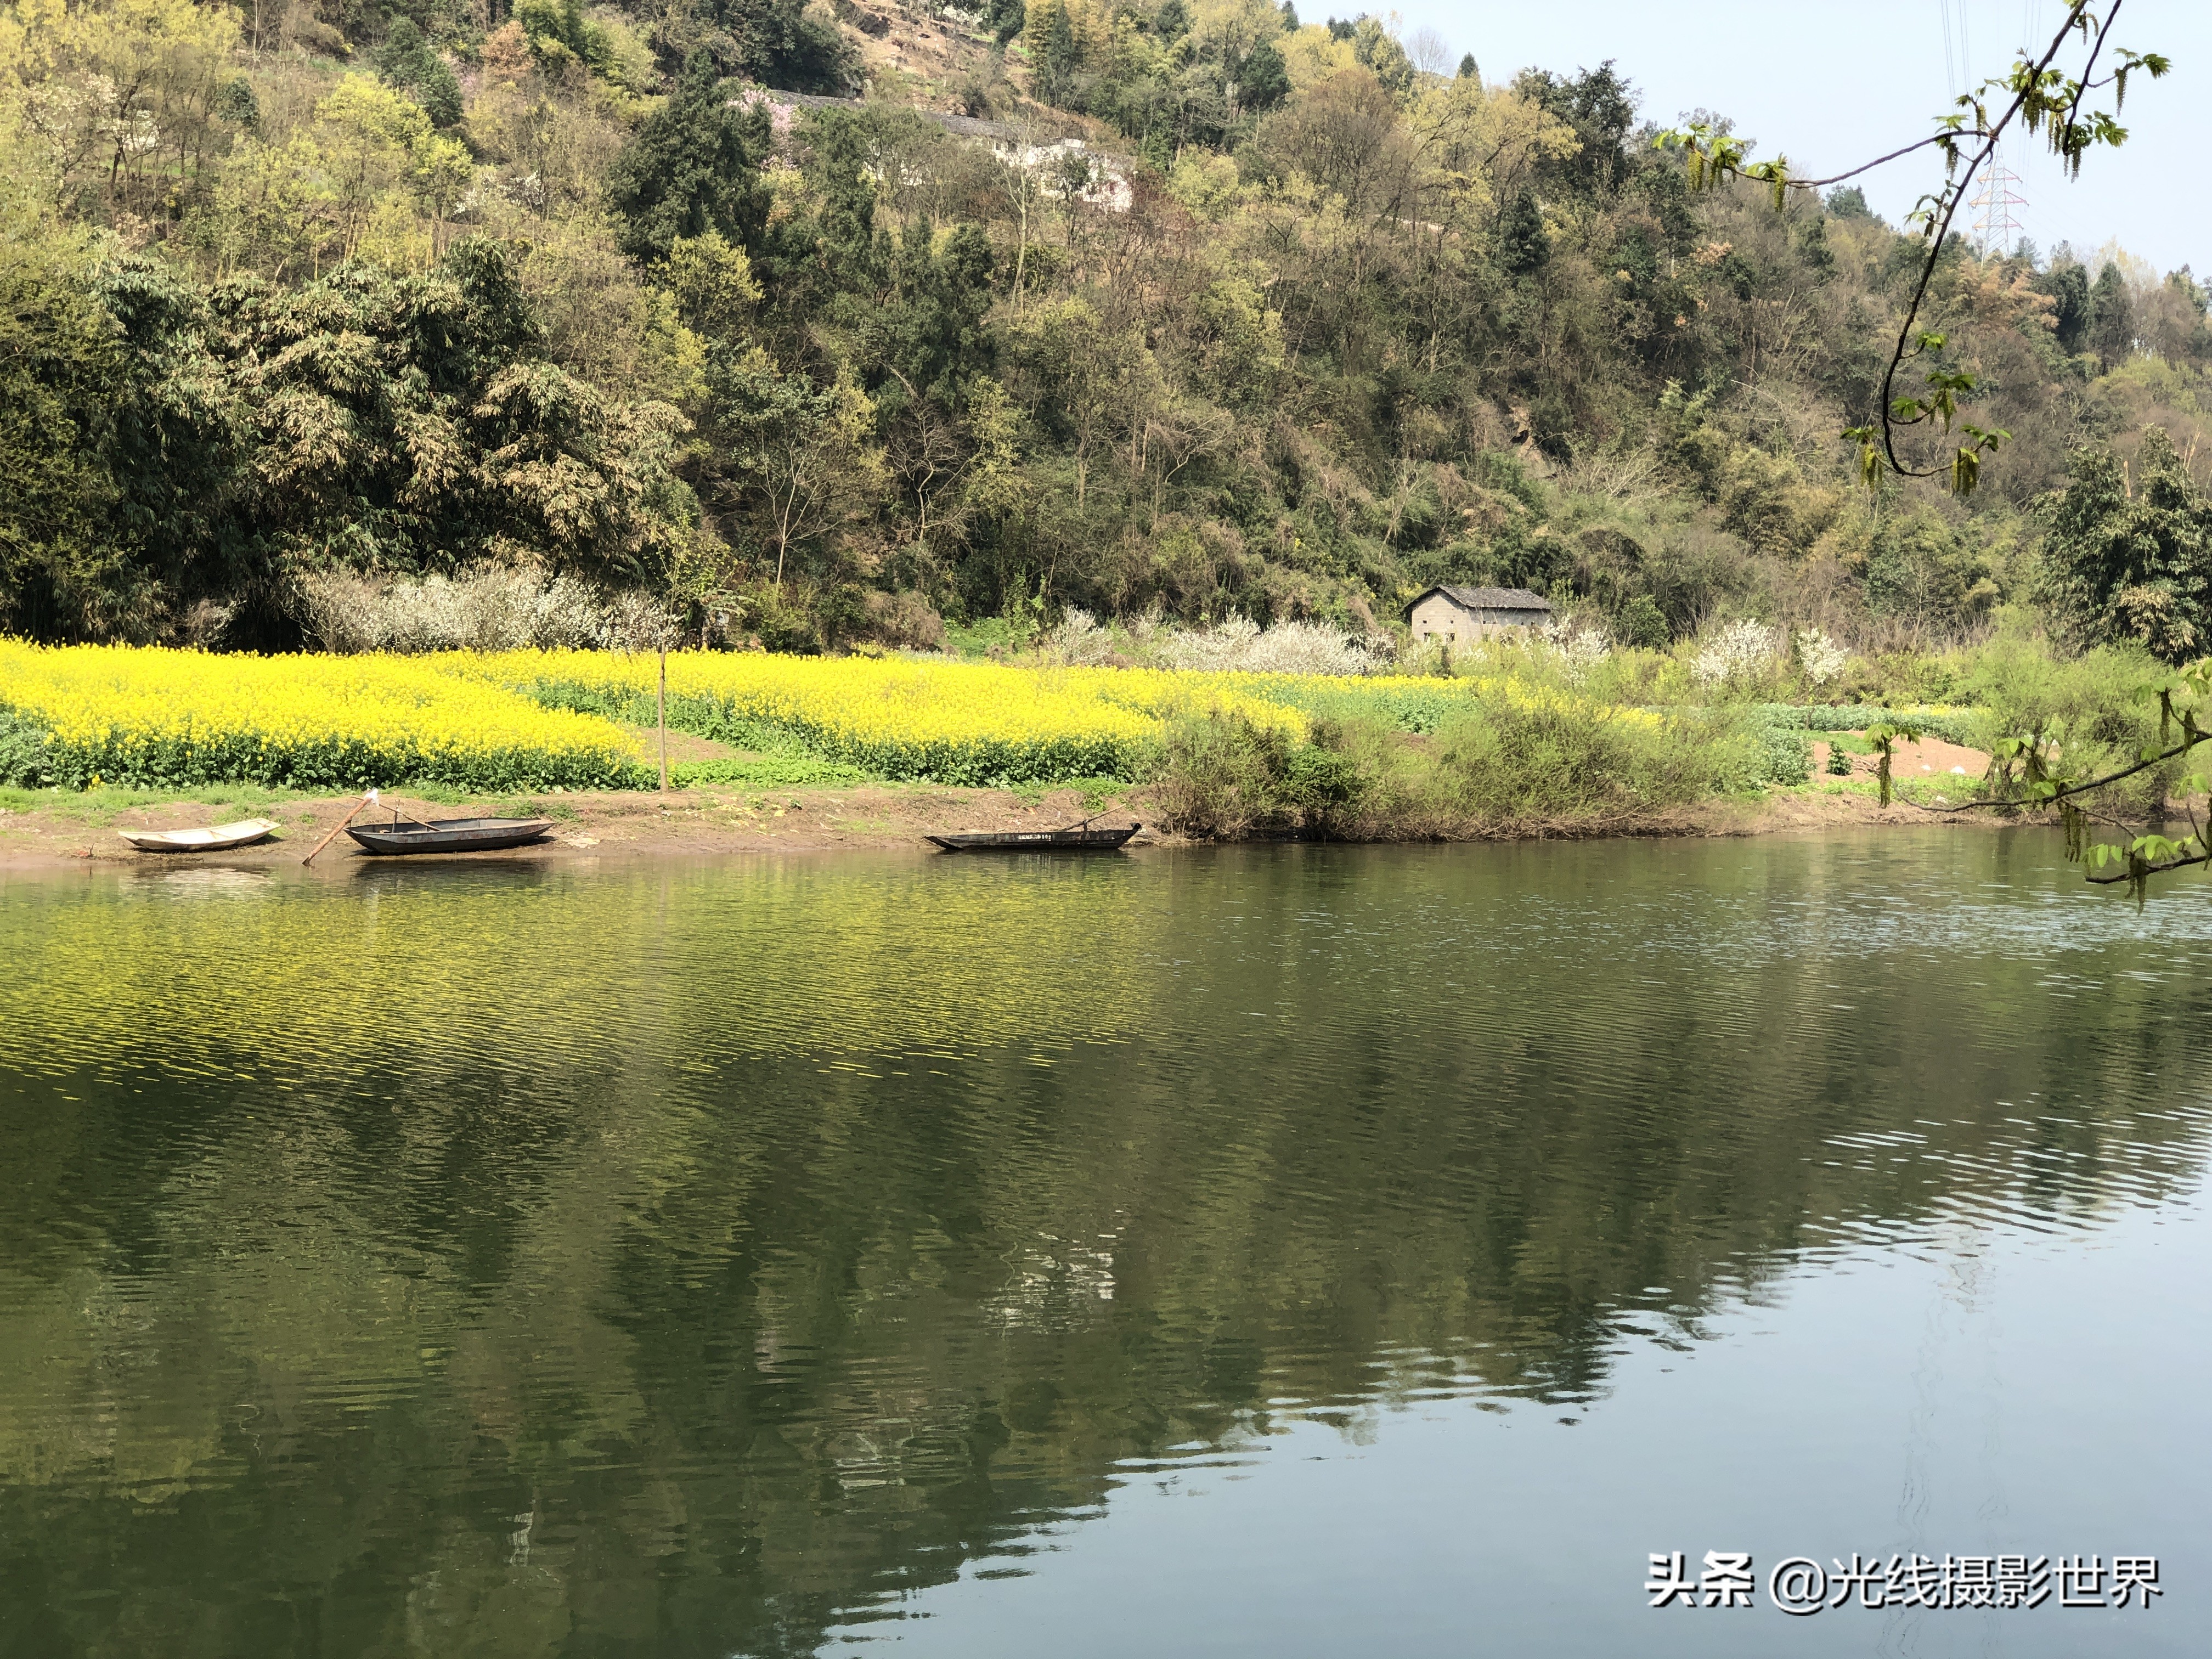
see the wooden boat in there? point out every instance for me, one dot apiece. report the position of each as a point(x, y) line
point(1038, 841)
point(219, 838)
point(449, 835)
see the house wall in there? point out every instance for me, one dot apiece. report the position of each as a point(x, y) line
point(1442, 617)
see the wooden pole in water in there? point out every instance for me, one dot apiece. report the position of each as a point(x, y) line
point(364, 801)
point(662, 704)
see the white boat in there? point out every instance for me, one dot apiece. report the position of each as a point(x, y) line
point(218, 839)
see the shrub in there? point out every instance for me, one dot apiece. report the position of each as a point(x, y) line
point(1517, 765)
point(1222, 775)
point(2087, 706)
point(24, 761)
point(1821, 657)
point(1785, 753)
point(1742, 651)
point(1240, 645)
point(496, 609)
point(1643, 624)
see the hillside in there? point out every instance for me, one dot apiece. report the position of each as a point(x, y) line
point(1189, 308)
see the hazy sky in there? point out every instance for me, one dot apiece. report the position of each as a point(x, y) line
point(1832, 85)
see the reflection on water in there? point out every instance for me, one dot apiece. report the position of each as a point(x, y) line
point(698, 1259)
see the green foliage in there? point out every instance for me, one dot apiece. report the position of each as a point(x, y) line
point(326, 765)
point(2090, 707)
point(1917, 566)
point(1513, 768)
point(407, 61)
point(776, 771)
point(989, 636)
point(2131, 559)
point(1642, 625)
point(2067, 284)
point(1221, 777)
point(692, 169)
point(779, 44)
point(241, 433)
point(559, 33)
point(24, 760)
point(1785, 753)
point(59, 570)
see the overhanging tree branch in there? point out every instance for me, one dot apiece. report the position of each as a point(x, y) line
point(2041, 98)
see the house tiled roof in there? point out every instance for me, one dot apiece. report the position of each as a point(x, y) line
point(1490, 599)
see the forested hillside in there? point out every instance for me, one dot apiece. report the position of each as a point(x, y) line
point(1300, 324)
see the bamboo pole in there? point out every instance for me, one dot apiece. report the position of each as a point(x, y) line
point(368, 800)
point(662, 703)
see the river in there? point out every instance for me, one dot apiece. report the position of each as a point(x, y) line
point(1274, 1251)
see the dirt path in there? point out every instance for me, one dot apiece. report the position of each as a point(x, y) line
point(1921, 758)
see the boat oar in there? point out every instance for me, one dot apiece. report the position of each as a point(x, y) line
point(368, 800)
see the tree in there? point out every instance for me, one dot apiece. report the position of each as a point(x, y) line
point(2111, 330)
point(1264, 80)
point(375, 142)
point(59, 569)
point(2131, 557)
point(407, 61)
point(693, 167)
point(777, 43)
point(2068, 284)
point(797, 456)
point(1522, 242)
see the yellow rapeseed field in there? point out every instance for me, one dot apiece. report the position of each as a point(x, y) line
point(953, 722)
point(539, 719)
point(154, 718)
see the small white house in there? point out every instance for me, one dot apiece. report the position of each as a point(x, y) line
point(1461, 614)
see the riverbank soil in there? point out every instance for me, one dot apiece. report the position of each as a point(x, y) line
point(43, 827)
point(46, 829)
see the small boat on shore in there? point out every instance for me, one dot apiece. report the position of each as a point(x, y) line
point(449, 835)
point(1038, 841)
point(217, 839)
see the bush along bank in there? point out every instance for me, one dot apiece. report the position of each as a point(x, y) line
point(1498, 769)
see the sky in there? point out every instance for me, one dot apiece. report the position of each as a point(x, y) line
point(1833, 85)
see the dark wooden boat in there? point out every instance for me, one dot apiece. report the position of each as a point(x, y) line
point(1038, 841)
point(449, 835)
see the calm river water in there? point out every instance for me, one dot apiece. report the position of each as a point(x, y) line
point(1273, 1252)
